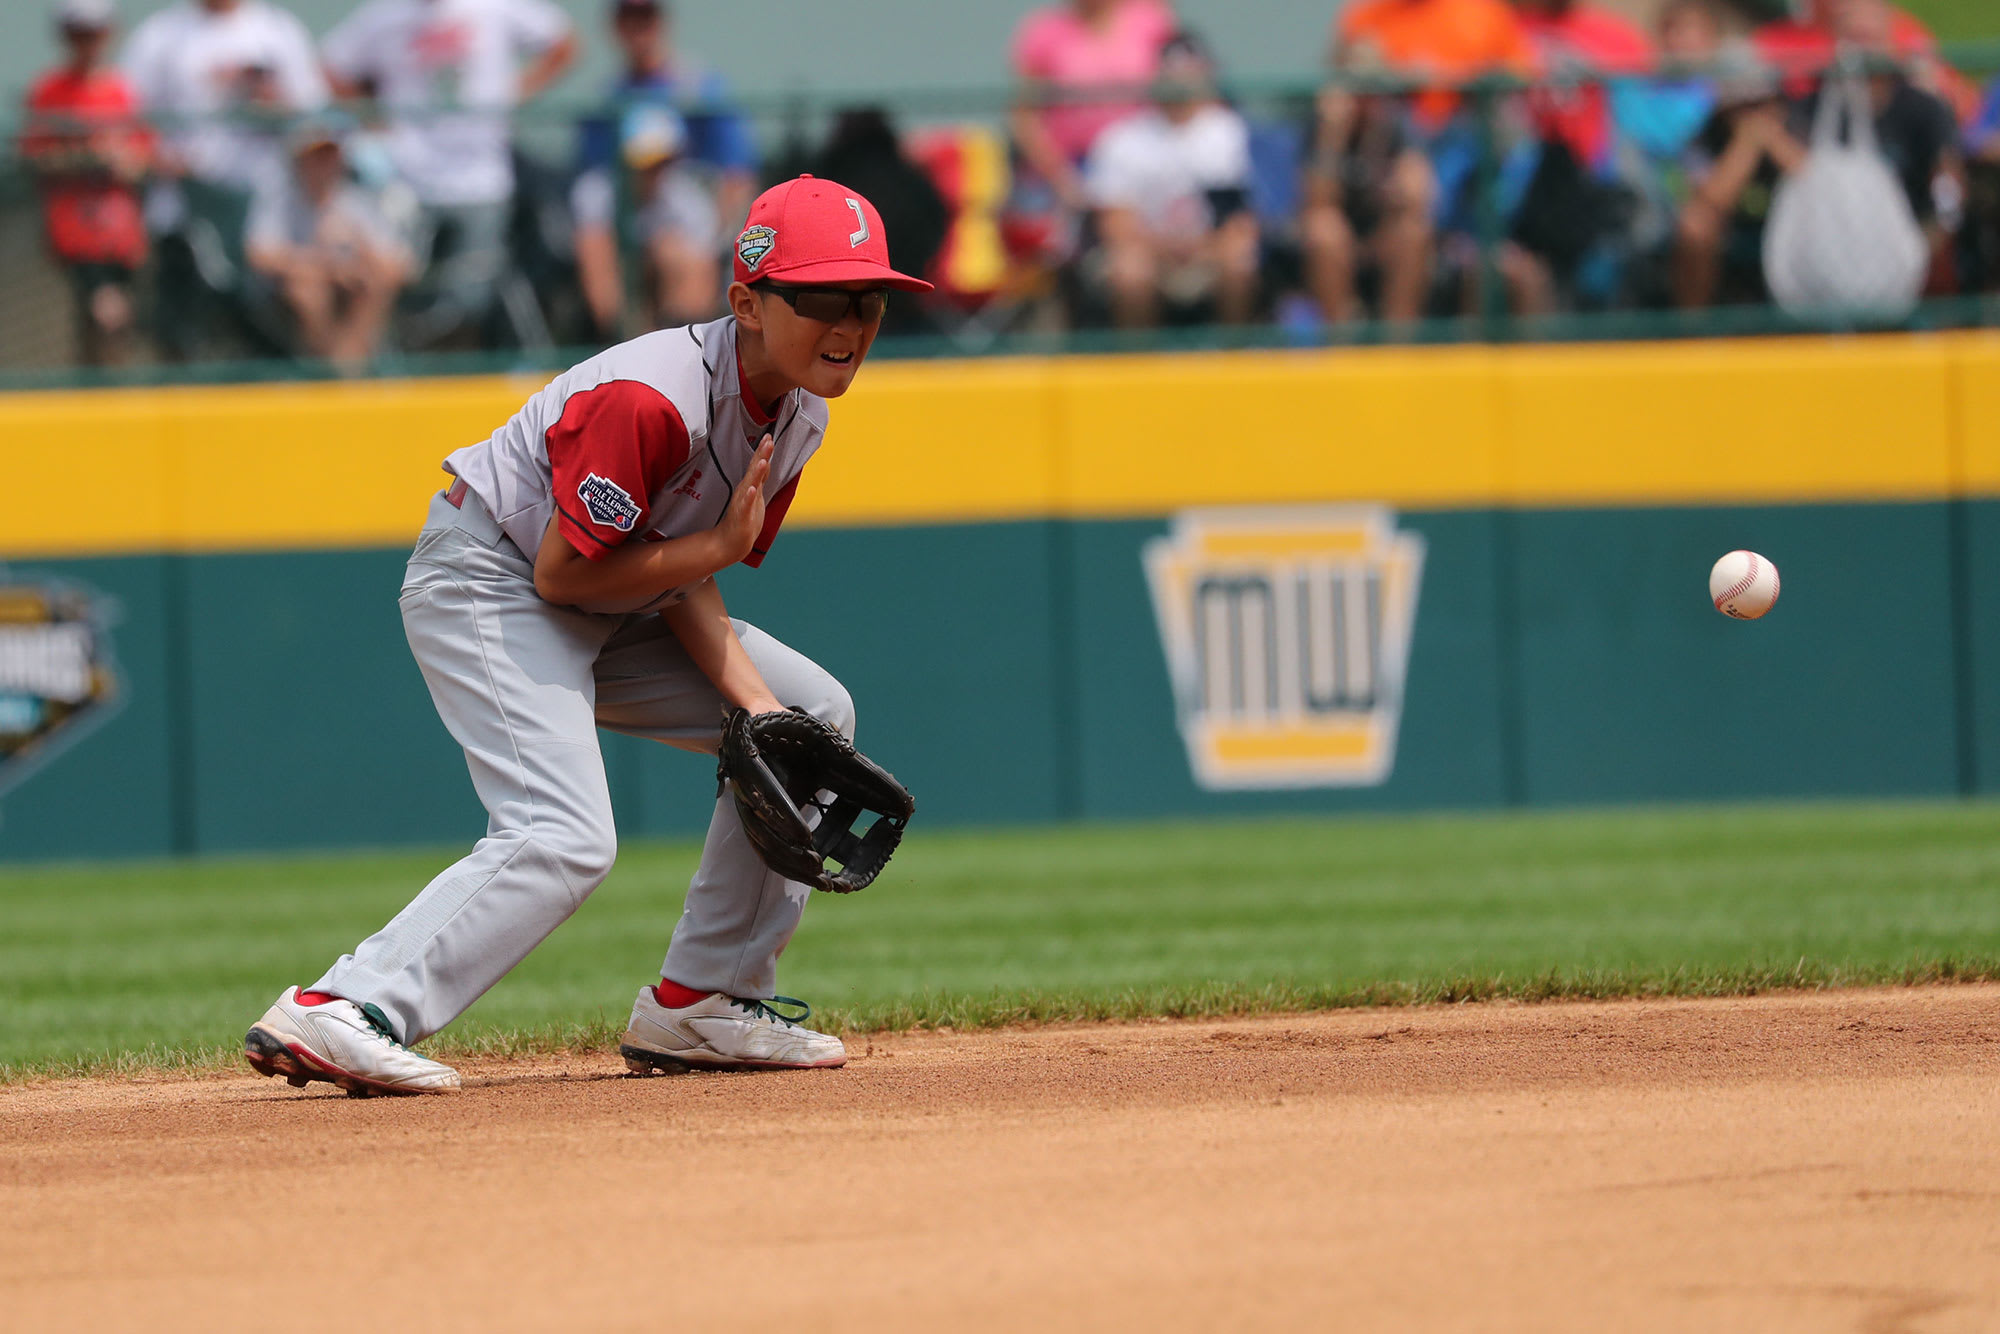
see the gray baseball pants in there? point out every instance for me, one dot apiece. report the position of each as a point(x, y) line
point(523, 686)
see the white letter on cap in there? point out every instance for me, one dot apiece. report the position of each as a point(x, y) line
point(859, 234)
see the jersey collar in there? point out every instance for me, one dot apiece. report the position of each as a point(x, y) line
point(751, 406)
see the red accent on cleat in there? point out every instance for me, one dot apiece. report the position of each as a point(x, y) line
point(314, 998)
point(677, 997)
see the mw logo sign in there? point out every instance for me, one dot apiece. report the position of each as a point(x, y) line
point(1287, 636)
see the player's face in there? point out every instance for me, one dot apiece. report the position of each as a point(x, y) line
point(812, 346)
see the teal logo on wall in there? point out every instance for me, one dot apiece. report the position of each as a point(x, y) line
point(57, 680)
point(1287, 634)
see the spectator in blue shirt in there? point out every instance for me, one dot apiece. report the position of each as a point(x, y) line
point(1982, 137)
point(714, 153)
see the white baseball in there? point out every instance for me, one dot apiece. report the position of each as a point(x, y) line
point(1743, 584)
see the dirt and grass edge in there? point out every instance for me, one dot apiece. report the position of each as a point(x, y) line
point(1003, 1009)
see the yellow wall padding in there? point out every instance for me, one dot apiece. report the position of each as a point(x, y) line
point(1912, 417)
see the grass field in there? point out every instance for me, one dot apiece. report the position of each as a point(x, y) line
point(1957, 20)
point(113, 966)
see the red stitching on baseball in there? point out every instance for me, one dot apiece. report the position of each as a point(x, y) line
point(1742, 586)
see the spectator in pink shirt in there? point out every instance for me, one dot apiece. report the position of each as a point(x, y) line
point(1078, 46)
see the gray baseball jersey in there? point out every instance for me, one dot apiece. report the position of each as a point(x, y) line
point(646, 440)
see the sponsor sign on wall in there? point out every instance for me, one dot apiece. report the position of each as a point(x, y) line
point(1287, 635)
point(56, 675)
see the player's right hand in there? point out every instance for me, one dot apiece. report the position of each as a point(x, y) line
point(744, 519)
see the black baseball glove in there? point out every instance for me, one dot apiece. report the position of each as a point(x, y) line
point(779, 765)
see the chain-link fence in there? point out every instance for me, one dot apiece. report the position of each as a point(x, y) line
point(1596, 201)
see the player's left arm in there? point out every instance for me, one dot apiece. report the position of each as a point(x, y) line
point(545, 30)
point(702, 624)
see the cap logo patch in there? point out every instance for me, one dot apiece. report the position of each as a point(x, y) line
point(754, 244)
point(859, 234)
point(608, 503)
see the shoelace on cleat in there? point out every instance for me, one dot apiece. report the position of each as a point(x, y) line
point(380, 1023)
point(757, 1009)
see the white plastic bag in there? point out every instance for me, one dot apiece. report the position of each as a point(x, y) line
point(1841, 237)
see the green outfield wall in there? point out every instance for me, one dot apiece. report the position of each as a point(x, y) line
point(1011, 664)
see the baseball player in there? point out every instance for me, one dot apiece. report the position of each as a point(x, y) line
point(565, 582)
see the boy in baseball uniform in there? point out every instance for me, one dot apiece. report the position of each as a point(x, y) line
point(565, 582)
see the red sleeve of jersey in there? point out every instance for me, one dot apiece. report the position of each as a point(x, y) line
point(774, 516)
point(614, 447)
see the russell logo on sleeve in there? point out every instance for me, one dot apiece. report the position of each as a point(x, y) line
point(608, 503)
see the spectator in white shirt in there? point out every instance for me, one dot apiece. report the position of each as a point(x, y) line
point(449, 73)
point(335, 262)
point(1170, 186)
point(210, 71)
point(222, 78)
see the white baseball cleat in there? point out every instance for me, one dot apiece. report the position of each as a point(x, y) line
point(721, 1032)
point(341, 1043)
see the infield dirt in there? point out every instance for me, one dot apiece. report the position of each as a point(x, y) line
point(1822, 1161)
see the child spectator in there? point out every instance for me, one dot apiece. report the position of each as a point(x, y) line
point(1170, 186)
point(1072, 49)
point(1571, 212)
point(224, 75)
point(87, 151)
point(716, 159)
point(449, 72)
point(1914, 129)
point(1661, 116)
point(1369, 197)
point(1734, 167)
point(335, 264)
point(1657, 120)
point(1574, 41)
point(1432, 162)
point(673, 226)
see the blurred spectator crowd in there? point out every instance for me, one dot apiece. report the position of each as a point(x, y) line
point(222, 180)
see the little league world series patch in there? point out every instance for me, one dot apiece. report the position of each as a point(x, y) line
point(56, 676)
point(608, 503)
point(754, 244)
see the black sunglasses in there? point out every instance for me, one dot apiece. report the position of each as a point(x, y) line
point(829, 305)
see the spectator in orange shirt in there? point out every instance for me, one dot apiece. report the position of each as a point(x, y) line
point(1448, 41)
point(88, 151)
point(1384, 172)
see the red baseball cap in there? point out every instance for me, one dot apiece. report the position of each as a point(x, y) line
point(815, 231)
